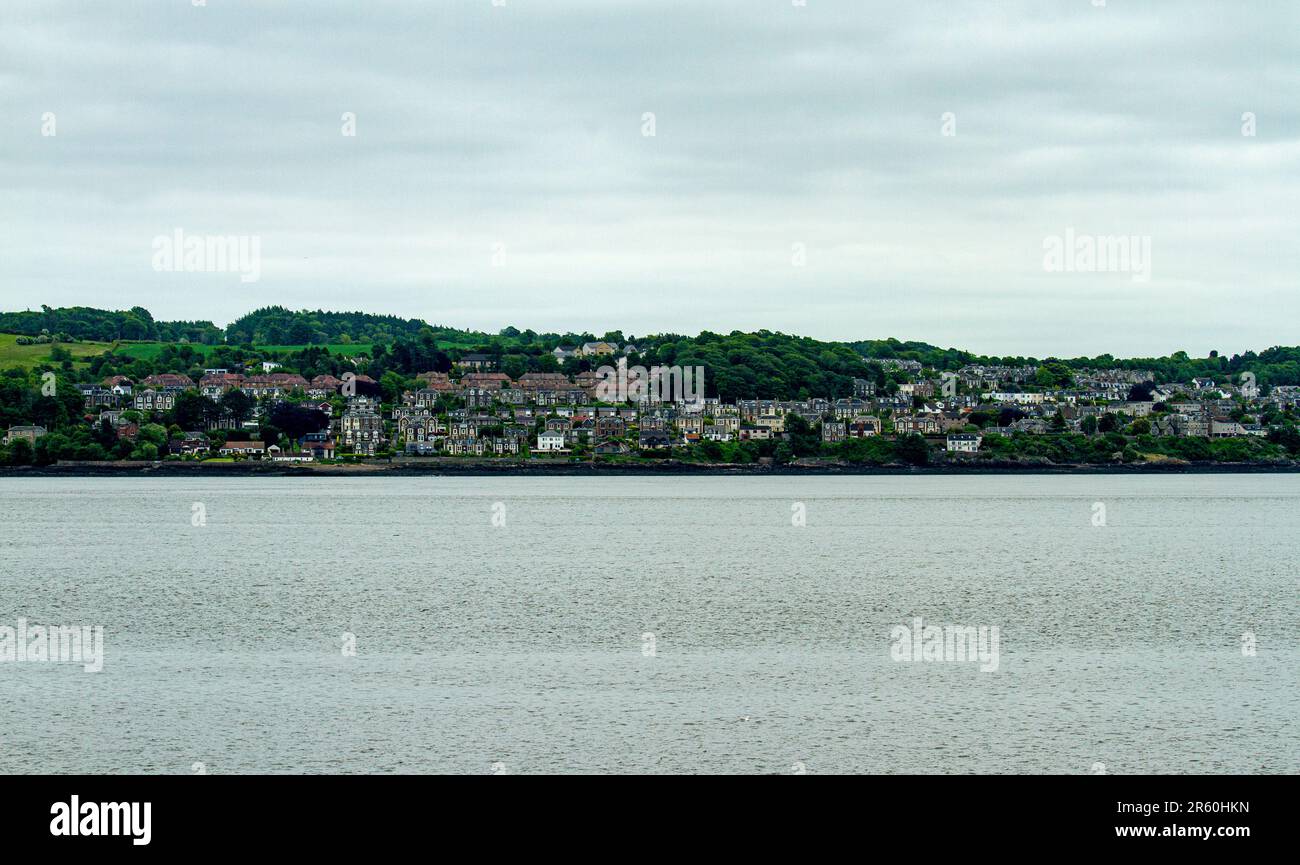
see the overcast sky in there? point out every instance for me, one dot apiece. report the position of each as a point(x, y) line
point(799, 177)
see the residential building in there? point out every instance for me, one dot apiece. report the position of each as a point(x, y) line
point(964, 442)
point(30, 433)
point(550, 442)
point(361, 428)
point(252, 449)
point(477, 361)
point(653, 439)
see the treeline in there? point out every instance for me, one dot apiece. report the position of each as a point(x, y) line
point(1279, 365)
point(927, 355)
point(736, 366)
point(765, 364)
point(276, 325)
point(102, 325)
point(1110, 447)
point(1274, 366)
point(739, 365)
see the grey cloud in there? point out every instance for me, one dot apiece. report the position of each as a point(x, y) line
point(521, 125)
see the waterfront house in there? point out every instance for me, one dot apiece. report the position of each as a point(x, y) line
point(503, 445)
point(863, 426)
point(361, 428)
point(191, 443)
point(964, 442)
point(653, 439)
point(463, 446)
point(251, 449)
point(1225, 428)
point(834, 431)
point(28, 433)
point(321, 450)
point(716, 433)
point(552, 442)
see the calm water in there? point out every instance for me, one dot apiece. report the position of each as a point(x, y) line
point(520, 648)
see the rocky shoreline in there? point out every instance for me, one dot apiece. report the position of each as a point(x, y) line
point(435, 466)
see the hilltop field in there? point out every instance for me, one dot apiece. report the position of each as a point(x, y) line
point(14, 355)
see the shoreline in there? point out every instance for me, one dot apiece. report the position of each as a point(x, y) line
point(435, 467)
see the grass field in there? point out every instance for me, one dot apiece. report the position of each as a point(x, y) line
point(13, 354)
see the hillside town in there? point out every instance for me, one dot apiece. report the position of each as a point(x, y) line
point(267, 412)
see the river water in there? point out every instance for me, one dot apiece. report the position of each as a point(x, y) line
point(682, 624)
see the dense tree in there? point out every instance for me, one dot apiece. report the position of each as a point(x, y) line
point(295, 421)
point(238, 405)
point(20, 452)
point(1008, 416)
point(87, 323)
point(804, 440)
point(1141, 392)
point(154, 434)
point(912, 449)
point(193, 410)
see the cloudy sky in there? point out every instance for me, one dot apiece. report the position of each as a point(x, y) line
point(844, 170)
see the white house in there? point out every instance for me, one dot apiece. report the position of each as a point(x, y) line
point(550, 441)
point(967, 443)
